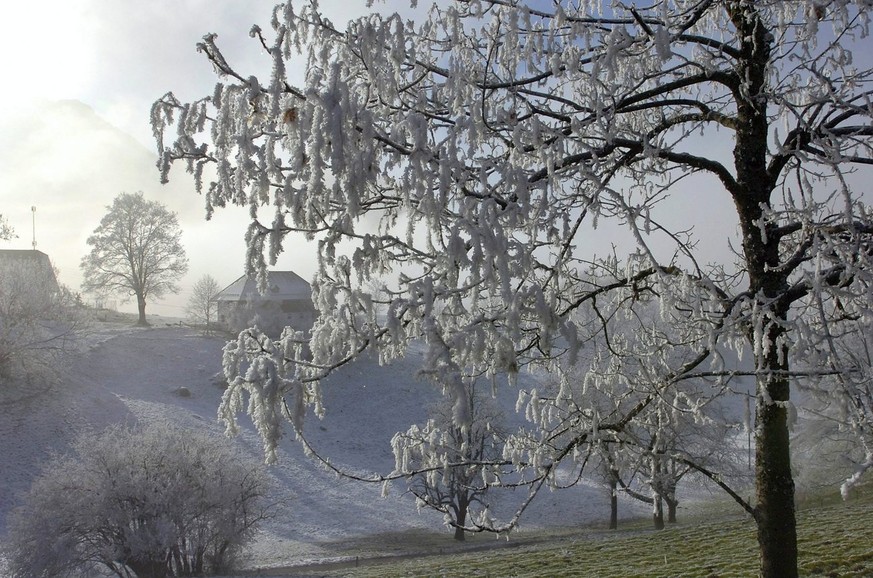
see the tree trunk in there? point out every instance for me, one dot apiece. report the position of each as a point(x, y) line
point(461, 520)
point(658, 515)
point(671, 510)
point(768, 284)
point(670, 494)
point(141, 306)
point(777, 526)
point(613, 502)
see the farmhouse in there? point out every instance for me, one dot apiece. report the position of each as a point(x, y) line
point(286, 302)
point(28, 272)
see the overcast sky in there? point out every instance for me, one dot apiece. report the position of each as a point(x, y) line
point(79, 79)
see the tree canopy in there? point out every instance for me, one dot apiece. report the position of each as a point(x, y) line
point(6, 231)
point(135, 251)
point(467, 161)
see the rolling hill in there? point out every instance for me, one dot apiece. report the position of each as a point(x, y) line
point(132, 375)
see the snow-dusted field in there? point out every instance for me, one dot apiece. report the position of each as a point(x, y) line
point(130, 375)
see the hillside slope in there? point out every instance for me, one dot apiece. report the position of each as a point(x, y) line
point(132, 375)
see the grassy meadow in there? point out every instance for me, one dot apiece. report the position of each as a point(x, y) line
point(835, 540)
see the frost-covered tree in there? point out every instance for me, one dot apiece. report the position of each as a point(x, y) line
point(467, 160)
point(841, 406)
point(674, 447)
point(152, 502)
point(685, 432)
point(449, 464)
point(41, 323)
point(6, 231)
point(135, 251)
point(201, 305)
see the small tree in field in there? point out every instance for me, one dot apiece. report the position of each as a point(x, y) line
point(844, 408)
point(151, 503)
point(201, 306)
point(470, 159)
point(135, 251)
point(448, 462)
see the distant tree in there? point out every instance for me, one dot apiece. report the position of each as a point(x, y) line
point(201, 305)
point(449, 461)
point(842, 402)
point(6, 231)
point(40, 322)
point(673, 448)
point(608, 470)
point(151, 503)
point(687, 432)
point(135, 251)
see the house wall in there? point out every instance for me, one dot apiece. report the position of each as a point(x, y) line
point(271, 317)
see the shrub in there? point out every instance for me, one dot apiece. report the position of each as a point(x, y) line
point(152, 502)
point(40, 322)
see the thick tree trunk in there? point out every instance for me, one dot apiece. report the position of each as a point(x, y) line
point(613, 502)
point(462, 519)
point(658, 514)
point(777, 526)
point(141, 306)
point(671, 510)
point(768, 284)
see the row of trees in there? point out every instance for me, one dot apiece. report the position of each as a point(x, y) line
point(452, 468)
point(465, 164)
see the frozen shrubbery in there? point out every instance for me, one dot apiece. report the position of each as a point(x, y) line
point(40, 322)
point(152, 502)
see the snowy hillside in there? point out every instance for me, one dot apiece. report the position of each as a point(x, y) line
point(131, 375)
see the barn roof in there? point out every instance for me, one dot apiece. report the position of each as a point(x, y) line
point(24, 256)
point(281, 286)
point(30, 260)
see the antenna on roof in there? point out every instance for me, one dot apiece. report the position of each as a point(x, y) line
point(33, 210)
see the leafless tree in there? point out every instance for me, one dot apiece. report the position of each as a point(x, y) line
point(202, 305)
point(6, 231)
point(41, 322)
point(135, 251)
point(449, 462)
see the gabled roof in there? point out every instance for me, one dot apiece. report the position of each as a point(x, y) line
point(281, 286)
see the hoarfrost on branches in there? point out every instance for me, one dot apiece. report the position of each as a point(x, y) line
point(150, 502)
point(459, 164)
point(450, 466)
